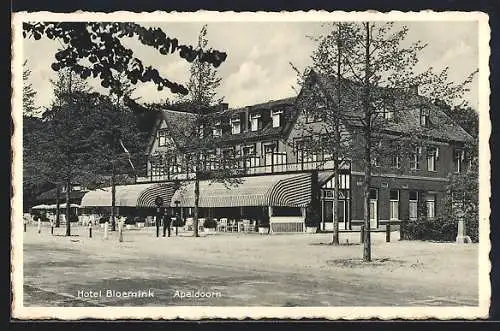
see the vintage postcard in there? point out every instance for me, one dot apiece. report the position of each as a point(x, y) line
point(329, 165)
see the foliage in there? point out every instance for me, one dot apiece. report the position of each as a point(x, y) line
point(313, 216)
point(210, 223)
point(29, 95)
point(369, 65)
point(95, 49)
point(195, 155)
point(443, 228)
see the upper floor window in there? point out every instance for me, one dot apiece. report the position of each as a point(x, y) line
point(235, 125)
point(458, 158)
point(432, 155)
point(388, 113)
point(276, 117)
point(395, 161)
point(424, 117)
point(394, 204)
point(255, 123)
point(314, 115)
point(162, 137)
point(413, 205)
point(217, 130)
point(415, 158)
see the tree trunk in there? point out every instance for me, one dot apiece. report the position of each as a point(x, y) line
point(113, 198)
point(196, 204)
point(58, 202)
point(335, 238)
point(367, 254)
point(68, 191)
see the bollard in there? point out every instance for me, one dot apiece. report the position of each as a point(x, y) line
point(90, 230)
point(388, 233)
point(52, 229)
point(120, 232)
point(362, 234)
point(176, 230)
point(106, 230)
point(39, 225)
point(25, 227)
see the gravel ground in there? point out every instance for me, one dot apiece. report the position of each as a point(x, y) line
point(231, 269)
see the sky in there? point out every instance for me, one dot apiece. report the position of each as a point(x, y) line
point(257, 68)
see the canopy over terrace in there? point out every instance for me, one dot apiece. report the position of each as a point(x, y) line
point(276, 190)
point(137, 195)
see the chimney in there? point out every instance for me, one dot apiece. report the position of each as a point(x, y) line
point(247, 119)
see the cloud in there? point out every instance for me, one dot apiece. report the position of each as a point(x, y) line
point(257, 66)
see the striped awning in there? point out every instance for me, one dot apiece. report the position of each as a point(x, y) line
point(267, 190)
point(137, 195)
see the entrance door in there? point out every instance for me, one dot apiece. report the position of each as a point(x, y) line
point(327, 215)
point(341, 208)
point(373, 214)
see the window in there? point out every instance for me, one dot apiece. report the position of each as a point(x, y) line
point(162, 137)
point(413, 205)
point(373, 194)
point(276, 116)
point(424, 117)
point(415, 158)
point(303, 155)
point(344, 182)
point(375, 161)
point(314, 115)
point(388, 114)
point(269, 150)
point(255, 122)
point(217, 131)
point(430, 204)
point(235, 125)
point(458, 158)
point(395, 161)
point(432, 153)
point(394, 204)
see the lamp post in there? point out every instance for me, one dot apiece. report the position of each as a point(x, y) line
point(177, 217)
point(158, 203)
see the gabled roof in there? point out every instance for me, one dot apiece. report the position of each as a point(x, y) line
point(407, 103)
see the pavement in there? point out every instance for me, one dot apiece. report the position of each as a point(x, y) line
point(234, 269)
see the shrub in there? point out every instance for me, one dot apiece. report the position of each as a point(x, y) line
point(438, 229)
point(313, 217)
point(104, 219)
point(130, 221)
point(178, 222)
point(210, 223)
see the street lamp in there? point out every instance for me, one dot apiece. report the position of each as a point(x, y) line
point(177, 218)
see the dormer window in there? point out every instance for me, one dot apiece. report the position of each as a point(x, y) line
point(162, 137)
point(458, 159)
point(388, 114)
point(254, 122)
point(424, 117)
point(235, 125)
point(217, 130)
point(276, 116)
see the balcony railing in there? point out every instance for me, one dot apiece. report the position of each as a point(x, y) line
point(250, 168)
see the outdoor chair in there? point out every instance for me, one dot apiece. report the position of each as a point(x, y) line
point(188, 226)
point(222, 225)
point(201, 223)
point(232, 226)
point(246, 225)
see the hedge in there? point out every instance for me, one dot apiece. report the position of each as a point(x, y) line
point(438, 229)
